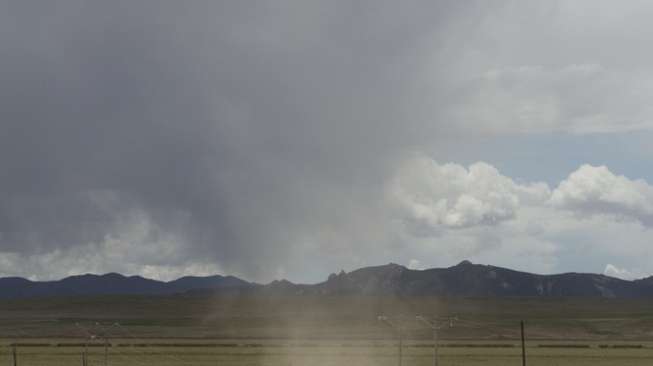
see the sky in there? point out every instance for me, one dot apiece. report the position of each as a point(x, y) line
point(292, 139)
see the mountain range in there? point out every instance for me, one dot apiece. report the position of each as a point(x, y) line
point(464, 280)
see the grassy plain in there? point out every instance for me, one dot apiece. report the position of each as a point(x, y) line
point(330, 355)
point(261, 330)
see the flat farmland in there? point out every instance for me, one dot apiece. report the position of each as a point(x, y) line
point(209, 329)
point(338, 318)
point(329, 353)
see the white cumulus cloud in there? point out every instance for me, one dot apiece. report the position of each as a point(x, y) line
point(593, 190)
point(434, 195)
point(415, 264)
point(614, 271)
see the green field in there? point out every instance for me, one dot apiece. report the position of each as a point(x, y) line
point(327, 317)
point(313, 330)
point(329, 353)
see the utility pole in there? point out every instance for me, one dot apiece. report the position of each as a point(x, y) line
point(523, 345)
point(399, 329)
point(435, 347)
point(106, 351)
point(435, 327)
point(105, 336)
point(401, 345)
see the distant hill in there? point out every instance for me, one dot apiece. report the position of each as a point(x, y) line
point(463, 280)
point(113, 284)
point(476, 280)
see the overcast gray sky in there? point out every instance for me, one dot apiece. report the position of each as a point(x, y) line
point(290, 139)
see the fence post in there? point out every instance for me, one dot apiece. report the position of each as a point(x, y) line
point(435, 346)
point(14, 354)
point(523, 346)
point(401, 344)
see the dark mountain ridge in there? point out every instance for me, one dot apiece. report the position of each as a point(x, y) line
point(465, 280)
point(112, 284)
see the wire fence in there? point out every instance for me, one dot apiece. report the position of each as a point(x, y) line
point(114, 344)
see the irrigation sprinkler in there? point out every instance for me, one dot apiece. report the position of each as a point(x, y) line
point(399, 329)
point(435, 327)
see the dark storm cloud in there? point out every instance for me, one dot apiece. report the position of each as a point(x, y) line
point(262, 139)
point(249, 131)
